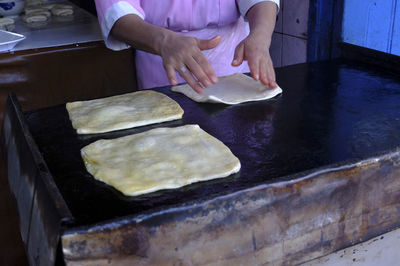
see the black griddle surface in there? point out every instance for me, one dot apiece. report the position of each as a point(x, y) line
point(329, 112)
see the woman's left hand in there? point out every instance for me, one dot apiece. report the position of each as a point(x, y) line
point(255, 49)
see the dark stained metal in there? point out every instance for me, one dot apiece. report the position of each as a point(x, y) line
point(328, 113)
point(320, 171)
point(41, 208)
point(284, 223)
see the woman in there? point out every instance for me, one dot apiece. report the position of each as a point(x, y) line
point(199, 39)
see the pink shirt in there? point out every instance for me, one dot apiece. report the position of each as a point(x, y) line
point(199, 18)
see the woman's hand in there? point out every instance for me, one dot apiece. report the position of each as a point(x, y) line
point(255, 49)
point(183, 55)
point(179, 53)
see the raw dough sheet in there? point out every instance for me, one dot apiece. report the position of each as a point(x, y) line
point(233, 89)
point(161, 158)
point(122, 111)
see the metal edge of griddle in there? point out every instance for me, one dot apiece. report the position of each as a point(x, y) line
point(386, 61)
point(55, 194)
point(49, 210)
point(332, 182)
point(278, 182)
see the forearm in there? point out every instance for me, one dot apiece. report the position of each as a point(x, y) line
point(262, 17)
point(139, 34)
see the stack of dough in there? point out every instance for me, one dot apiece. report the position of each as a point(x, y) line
point(40, 13)
point(7, 24)
point(36, 14)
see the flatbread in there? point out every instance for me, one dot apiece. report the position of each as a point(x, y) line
point(35, 17)
point(62, 10)
point(161, 158)
point(30, 10)
point(233, 89)
point(7, 24)
point(6, 21)
point(122, 111)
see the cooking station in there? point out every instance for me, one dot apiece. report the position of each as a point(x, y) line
point(320, 172)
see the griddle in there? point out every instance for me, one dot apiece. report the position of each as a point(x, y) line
point(328, 113)
point(331, 114)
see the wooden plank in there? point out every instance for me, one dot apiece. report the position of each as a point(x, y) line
point(369, 23)
point(395, 45)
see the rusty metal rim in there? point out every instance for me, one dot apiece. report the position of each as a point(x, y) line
point(282, 181)
point(45, 174)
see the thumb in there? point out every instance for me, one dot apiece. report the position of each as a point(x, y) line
point(239, 55)
point(209, 44)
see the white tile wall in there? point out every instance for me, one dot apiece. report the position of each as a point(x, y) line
point(295, 18)
point(289, 41)
point(294, 50)
point(278, 24)
point(276, 49)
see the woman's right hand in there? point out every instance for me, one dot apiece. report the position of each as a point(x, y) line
point(179, 53)
point(183, 55)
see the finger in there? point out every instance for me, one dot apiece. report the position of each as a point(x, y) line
point(264, 75)
point(198, 72)
point(187, 76)
point(209, 44)
point(169, 69)
point(254, 68)
point(206, 67)
point(239, 55)
point(271, 75)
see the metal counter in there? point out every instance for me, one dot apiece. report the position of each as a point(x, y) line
point(81, 27)
point(320, 172)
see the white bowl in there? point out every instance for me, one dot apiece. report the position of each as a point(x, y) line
point(11, 7)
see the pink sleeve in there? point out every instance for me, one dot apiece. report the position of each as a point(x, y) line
point(103, 5)
point(245, 5)
point(109, 11)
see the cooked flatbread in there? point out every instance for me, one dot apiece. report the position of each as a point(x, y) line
point(30, 10)
point(161, 158)
point(6, 21)
point(36, 17)
point(122, 111)
point(233, 89)
point(61, 11)
point(7, 24)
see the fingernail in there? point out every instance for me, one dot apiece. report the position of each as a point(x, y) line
point(214, 79)
point(235, 62)
point(256, 77)
point(207, 83)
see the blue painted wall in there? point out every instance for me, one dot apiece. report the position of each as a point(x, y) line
point(373, 24)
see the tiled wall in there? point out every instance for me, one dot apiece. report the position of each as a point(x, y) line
point(289, 41)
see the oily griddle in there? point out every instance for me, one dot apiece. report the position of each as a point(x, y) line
point(330, 112)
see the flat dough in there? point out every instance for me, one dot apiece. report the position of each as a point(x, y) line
point(35, 17)
point(122, 111)
point(6, 21)
point(233, 89)
point(161, 158)
point(7, 24)
point(62, 10)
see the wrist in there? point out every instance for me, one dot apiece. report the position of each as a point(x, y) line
point(261, 37)
point(160, 39)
